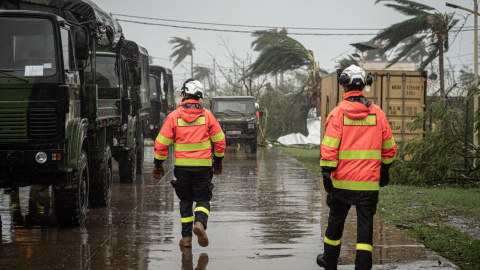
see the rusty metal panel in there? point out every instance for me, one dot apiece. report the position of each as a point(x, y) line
point(400, 94)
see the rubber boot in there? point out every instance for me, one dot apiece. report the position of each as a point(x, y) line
point(321, 262)
point(186, 242)
point(199, 231)
point(187, 259)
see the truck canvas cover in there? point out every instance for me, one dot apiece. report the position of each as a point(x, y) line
point(103, 27)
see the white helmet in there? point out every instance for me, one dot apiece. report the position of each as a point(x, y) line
point(256, 105)
point(354, 75)
point(193, 87)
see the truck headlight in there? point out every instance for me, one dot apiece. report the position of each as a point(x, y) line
point(251, 126)
point(115, 141)
point(152, 127)
point(41, 157)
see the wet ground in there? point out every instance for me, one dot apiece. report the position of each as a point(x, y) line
point(266, 213)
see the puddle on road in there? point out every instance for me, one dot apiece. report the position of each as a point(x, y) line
point(266, 213)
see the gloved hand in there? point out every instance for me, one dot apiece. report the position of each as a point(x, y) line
point(384, 175)
point(158, 171)
point(327, 180)
point(217, 168)
point(384, 178)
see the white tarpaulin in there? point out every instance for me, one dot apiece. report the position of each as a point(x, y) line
point(313, 126)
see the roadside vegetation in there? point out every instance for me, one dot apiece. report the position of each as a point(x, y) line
point(445, 219)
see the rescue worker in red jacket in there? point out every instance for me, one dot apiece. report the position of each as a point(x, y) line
point(191, 128)
point(357, 151)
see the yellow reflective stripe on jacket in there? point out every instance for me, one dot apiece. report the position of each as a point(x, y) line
point(219, 154)
point(192, 146)
point(387, 160)
point(355, 185)
point(218, 137)
point(202, 209)
point(365, 247)
point(360, 154)
point(159, 157)
point(332, 142)
point(328, 163)
point(164, 140)
point(332, 242)
point(193, 162)
point(388, 144)
point(187, 219)
point(200, 121)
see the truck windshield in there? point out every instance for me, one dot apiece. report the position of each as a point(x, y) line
point(106, 75)
point(154, 87)
point(233, 106)
point(27, 47)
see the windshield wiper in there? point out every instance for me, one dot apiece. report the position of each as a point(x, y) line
point(4, 72)
point(236, 112)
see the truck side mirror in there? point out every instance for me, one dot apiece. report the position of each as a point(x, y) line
point(137, 78)
point(127, 105)
point(81, 45)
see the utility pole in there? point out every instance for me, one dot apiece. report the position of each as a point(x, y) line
point(475, 68)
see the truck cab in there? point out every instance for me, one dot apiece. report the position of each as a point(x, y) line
point(162, 100)
point(238, 119)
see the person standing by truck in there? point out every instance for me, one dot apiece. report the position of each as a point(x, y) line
point(357, 151)
point(191, 127)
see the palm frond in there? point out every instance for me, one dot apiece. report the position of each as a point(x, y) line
point(182, 49)
point(408, 3)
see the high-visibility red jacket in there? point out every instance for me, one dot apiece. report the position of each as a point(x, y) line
point(190, 127)
point(358, 139)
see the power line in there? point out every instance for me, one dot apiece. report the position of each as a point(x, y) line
point(243, 25)
point(261, 26)
point(241, 31)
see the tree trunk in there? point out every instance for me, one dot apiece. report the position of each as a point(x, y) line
point(191, 65)
point(442, 71)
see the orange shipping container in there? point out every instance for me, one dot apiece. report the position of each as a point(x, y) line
point(400, 94)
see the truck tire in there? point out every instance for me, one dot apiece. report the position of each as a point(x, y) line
point(71, 202)
point(253, 146)
point(127, 167)
point(101, 180)
point(140, 155)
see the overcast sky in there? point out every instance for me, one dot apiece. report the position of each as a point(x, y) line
point(363, 15)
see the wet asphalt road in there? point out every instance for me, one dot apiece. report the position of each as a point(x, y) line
point(266, 213)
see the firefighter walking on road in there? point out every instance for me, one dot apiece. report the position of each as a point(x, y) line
point(357, 151)
point(191, 128)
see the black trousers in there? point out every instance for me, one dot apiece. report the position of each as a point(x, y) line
point(193, 186)
point(334, 233)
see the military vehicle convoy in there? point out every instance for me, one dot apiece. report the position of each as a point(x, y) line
point(238, 119)
point(162, 100)
point(74, 95)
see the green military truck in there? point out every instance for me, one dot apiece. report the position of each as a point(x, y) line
point(129, 136)
point(60, 104)
point(162, 100)
point(238, 119)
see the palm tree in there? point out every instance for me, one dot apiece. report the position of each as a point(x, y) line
point(182, 49)
point(280, 53)
point(426, 24)
point(202, 73)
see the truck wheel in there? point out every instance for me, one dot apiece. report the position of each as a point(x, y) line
point(253, 146)
point(101, 180)
point(127, 166)
point(140, 155)
point(71, 202)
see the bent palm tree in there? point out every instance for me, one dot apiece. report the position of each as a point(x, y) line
point(280, 53)
point(426, 24)
point(182, 49)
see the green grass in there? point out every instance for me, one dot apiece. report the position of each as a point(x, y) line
point(419, 209)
